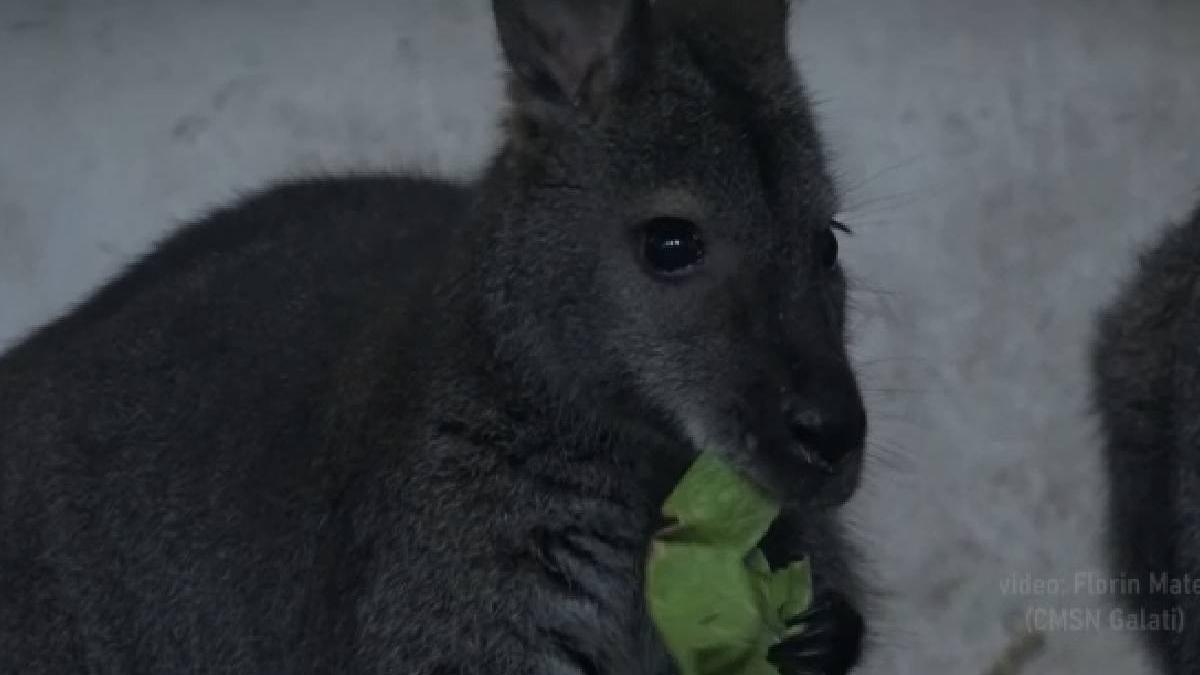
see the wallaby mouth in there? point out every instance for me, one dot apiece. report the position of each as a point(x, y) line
point(802, 472)
point(807, 443)
point(826, 436)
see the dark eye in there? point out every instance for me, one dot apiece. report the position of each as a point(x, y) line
point(672, 245)
point(827, 247)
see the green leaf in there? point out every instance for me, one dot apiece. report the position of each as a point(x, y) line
point(710, 591)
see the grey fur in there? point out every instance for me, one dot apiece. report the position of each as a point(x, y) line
point(1147, 370)
point(396, 424)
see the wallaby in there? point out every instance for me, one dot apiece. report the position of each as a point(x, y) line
point(1146, 364)
point(406, 425)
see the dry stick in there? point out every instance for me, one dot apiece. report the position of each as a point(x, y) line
point(1025, 646)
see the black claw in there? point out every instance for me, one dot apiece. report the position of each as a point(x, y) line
point(829, 644)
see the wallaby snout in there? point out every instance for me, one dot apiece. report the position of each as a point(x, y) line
point(805, 433)
point(826, 418)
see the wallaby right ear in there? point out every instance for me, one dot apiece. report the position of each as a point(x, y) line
point(573, 53)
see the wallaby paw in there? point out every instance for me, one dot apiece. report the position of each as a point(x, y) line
point(830, 643)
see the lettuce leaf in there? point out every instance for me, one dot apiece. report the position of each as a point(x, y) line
point(713, 597)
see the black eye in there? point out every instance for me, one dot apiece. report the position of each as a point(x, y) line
point(827, 247)
point(672, 245)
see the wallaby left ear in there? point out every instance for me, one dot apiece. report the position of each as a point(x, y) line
point(751, 32)
point(572, 52)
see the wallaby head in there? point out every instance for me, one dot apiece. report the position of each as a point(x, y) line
point(664, 249)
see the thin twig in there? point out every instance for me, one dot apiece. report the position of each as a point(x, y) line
point(1025, 646)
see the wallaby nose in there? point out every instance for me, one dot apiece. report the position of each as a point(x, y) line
point(828, 420)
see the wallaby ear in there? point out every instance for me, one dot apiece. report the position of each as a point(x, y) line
point(572, 52)
point(765, 20)
point(748, 30)
point(742, 42)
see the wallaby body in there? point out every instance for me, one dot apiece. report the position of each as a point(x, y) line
point(403, 425)
point(1147, 369)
